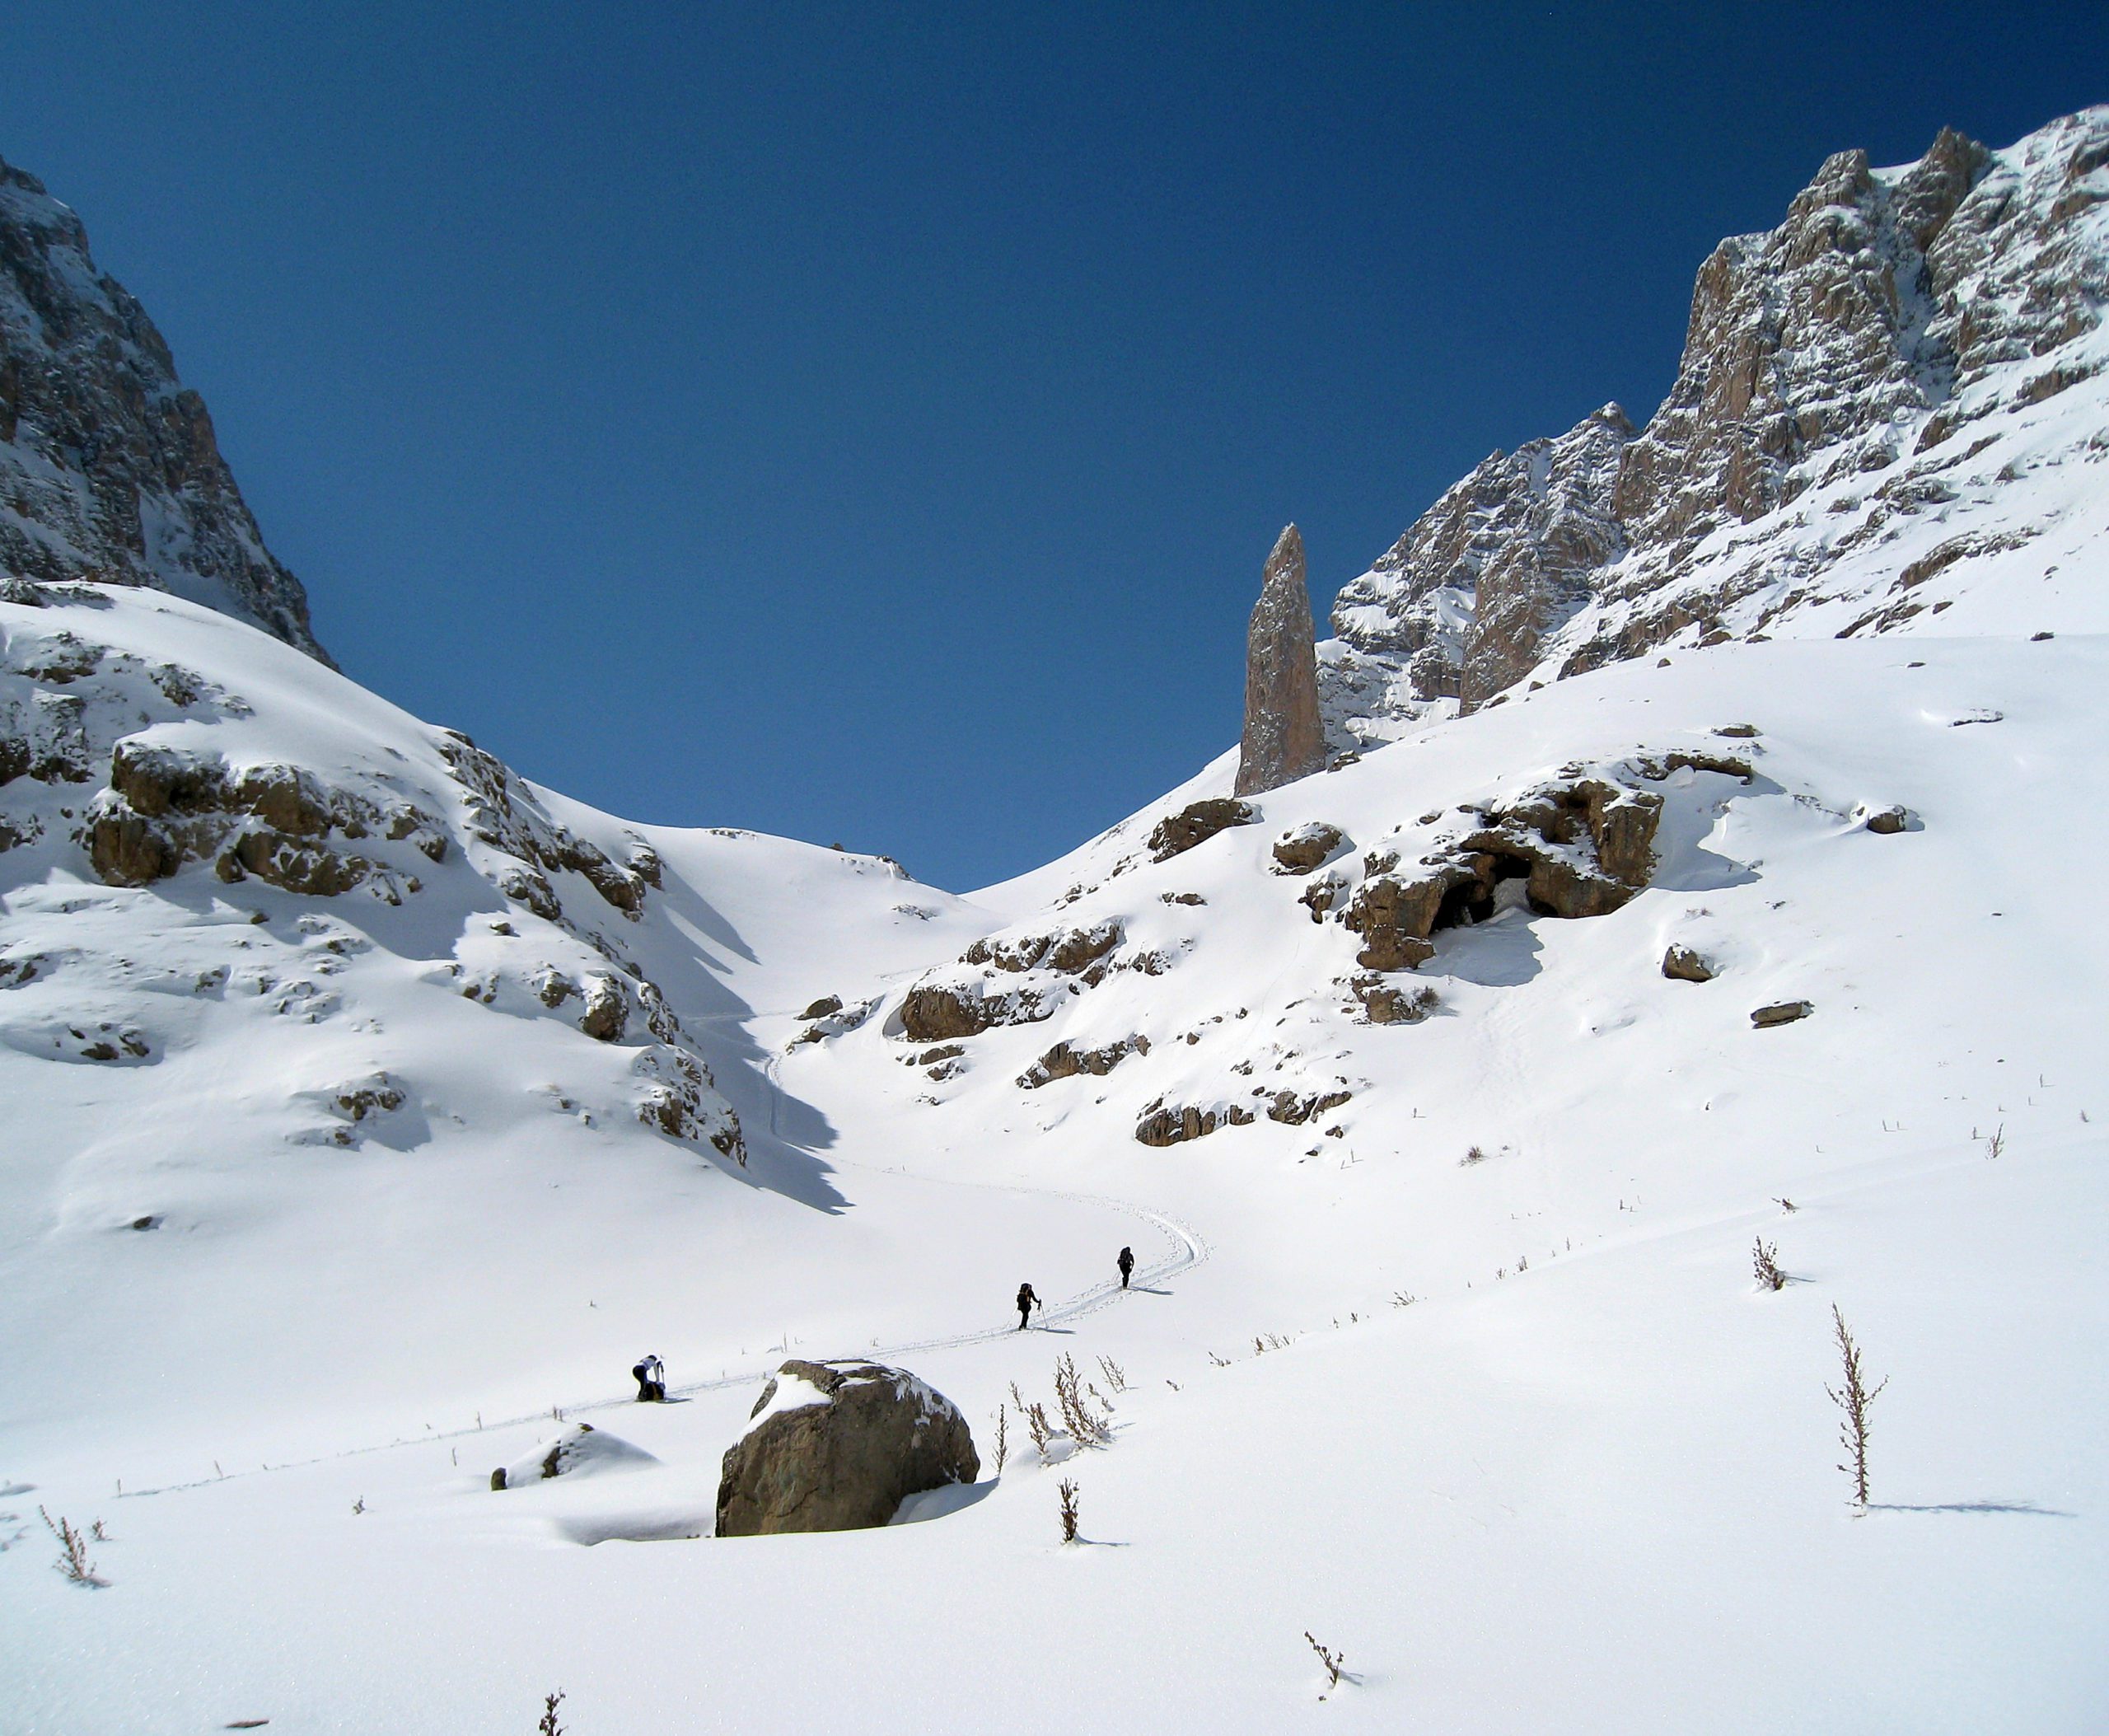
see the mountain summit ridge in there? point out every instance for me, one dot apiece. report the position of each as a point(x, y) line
point(109, 467)
point(1839, 374)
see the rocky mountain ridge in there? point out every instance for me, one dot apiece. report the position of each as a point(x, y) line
point(109, 467)
point(1843, 377)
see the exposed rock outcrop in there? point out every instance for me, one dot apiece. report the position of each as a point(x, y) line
point(1293, 1110)
point(1580, 847)
point(108, 468)
point(1285, 738)
point(1305, 847)
point(166, 807)
point(837, 1446)
point(1780, 1012)
point(1065, 1061)
point(1016, 979)
point(1171, 1126)
point(1196, 824)
point(1385, 1003)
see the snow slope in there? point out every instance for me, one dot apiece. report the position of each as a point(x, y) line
point(1584, 1480)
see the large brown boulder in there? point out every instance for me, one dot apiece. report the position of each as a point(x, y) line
point(1196, 823)
point(1285, 738)
point(933, 1014)
point(1303, 848)
point(837, 1446)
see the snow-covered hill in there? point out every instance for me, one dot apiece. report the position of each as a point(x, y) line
point(368, 1105)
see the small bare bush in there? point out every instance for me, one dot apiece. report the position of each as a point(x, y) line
point(549, 1726)
point(1995, 1141)
point(1853, 1396)
point(1764, 1261)
point(1473, 1154)
point(72, 1560)
point(1334, 1662)
point(1039, 1428)
point(1115, 1376)
point(1085, 1426)
point(1003, 1436)
point(1068, 1491)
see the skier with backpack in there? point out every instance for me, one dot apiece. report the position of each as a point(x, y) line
point(1028, 1302)
point(1126, 1262)
point(651, 1376)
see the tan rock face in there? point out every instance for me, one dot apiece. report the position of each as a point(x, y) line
point(1285, 738)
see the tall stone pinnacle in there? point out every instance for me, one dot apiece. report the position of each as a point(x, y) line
point(1283, 738)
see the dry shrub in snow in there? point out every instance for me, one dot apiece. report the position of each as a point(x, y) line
point(73, 1559)
point(1068, 1491)
point(1764, 1261)
point(1854, 1397)
point(1085, 1426)
point(1334, 1661)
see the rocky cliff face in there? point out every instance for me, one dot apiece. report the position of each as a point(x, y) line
point(1283, 738)
point(1504, 557)
point(1840, 375)
point(109, 469)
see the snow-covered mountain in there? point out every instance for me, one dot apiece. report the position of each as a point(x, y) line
point(1880, 404)
point(369, 1104)
point(109, 469)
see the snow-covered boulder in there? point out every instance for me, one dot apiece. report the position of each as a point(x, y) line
point(837, 1446)
point(581, 1450)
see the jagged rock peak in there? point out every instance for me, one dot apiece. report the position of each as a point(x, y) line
point(108, 468)
point(1283, 738)
point(1781, 483)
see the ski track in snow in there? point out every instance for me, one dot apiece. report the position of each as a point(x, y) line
point(1190, 1250)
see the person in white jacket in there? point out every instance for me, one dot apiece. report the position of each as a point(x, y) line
point(651, 1381)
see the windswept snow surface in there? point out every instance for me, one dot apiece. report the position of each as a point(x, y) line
point(1582, 1481)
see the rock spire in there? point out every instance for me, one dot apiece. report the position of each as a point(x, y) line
point(1284, 739)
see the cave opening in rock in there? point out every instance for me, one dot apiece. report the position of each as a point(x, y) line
point(1496, 885)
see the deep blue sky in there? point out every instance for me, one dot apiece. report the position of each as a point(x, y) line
point(867, 422)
